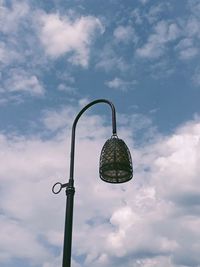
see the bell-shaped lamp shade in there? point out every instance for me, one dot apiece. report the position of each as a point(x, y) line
point(115, 161)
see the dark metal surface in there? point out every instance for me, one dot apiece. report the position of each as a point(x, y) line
point(115, 161)
point(67, 246)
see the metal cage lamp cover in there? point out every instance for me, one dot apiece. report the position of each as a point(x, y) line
point(115, 161)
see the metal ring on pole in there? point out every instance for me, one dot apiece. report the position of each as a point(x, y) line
point(54, 188)
point(61, 186)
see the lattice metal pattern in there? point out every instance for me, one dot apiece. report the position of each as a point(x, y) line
point(115, 161)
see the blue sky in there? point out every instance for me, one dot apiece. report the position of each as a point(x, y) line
point(57, 56)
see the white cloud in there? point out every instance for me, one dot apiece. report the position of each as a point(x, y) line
point(124, 219)
point(192, 27)
point(162, 69)
point(67, 83)
point(55, 120)
point(155, 12)
point(7, 55)
point(154, 262)
point(10, 18)
point(173, 175)
point(14, 19)
point(196, 77)
point(136, 14)
point(109, 60)
point(164, 32)
point(152, 49)
point(186, 48)
point(194, 7)
point(29, 159)
point(65, 77)
point(125, 34)
point(21, 81)
point(67, 88)
point(61, 35)
point(144, 2)
point(14, 240)
point(120, 84)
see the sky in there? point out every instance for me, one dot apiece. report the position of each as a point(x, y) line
point(57, 56)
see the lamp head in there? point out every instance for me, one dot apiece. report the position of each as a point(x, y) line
point(115, 161)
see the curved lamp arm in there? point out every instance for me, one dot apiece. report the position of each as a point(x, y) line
point(114, 130)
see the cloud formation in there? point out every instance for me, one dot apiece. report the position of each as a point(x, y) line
point(125, 34)
point(54, 58)
point(165, 32)
point(61, 35)
point(119, 84)
point(19, 80)
point(160, 204)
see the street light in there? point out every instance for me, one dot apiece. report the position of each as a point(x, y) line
point(115, 167)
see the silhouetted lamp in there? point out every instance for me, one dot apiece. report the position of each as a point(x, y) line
point(115, 167)
point(115, 161)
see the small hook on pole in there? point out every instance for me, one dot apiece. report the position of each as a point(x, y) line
point(57, 187)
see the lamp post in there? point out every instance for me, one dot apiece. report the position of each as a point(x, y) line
point(115, 167)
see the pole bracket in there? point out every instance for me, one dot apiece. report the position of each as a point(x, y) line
point(57, 187)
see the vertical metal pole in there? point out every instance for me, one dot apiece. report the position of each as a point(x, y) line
point(68, 227)
point(70, 188)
